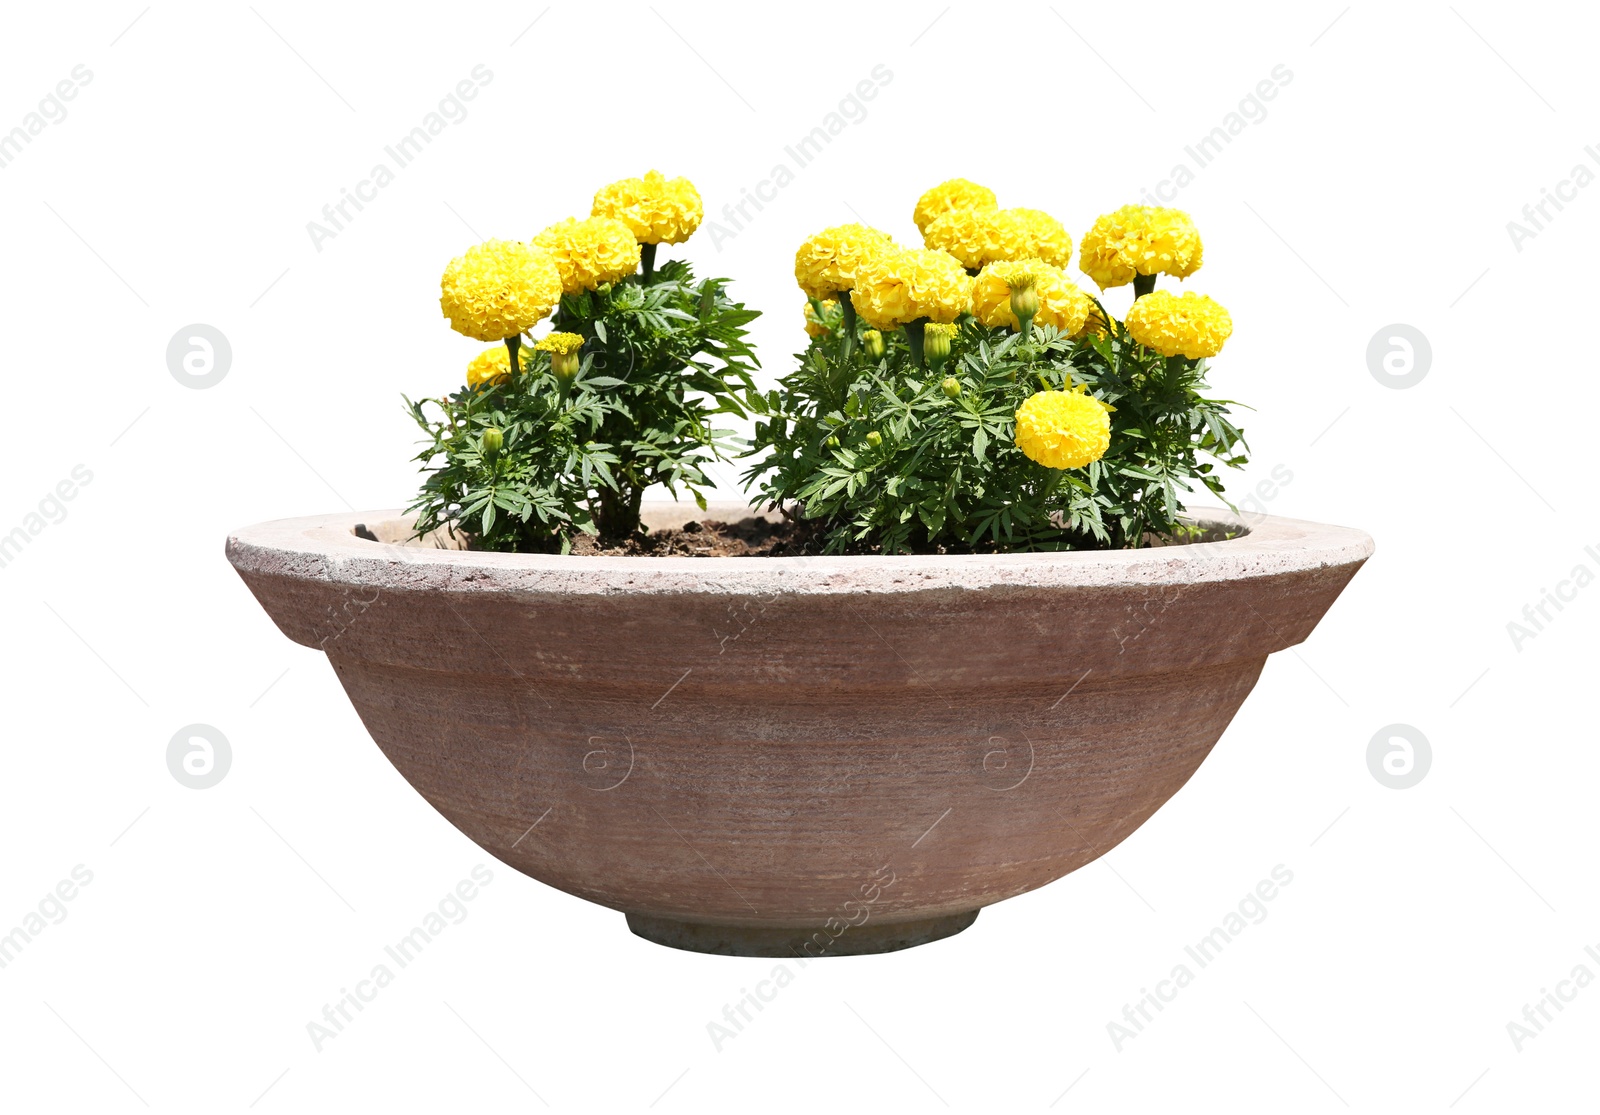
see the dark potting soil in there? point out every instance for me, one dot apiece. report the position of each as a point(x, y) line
point(750, 537)
point(746, 538)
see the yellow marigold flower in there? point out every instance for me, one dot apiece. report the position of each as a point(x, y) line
point(1186, 324)
point(590, 252)
point(900, 286)
point(498, 289)
point(826, 263)
point(493, 365)
point(1140, 240)
point(815, 326)
point(562, 343)
point(1061, 303)
point(946, 197)
point(1063, 429)
point(978, 237)
point(1043, 237)
point(656, 209)
point(973, 236)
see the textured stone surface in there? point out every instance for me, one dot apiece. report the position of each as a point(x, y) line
point(761, 742)
point(807, 941)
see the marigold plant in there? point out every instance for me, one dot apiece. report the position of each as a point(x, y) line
point(992, 403)
point(566, 434)
point(964, 395)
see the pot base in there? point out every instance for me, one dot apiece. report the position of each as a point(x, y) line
point(807, 941)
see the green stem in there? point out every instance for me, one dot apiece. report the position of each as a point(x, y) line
point(619, 513)
point(647, 261)
point(914, 330)
point(1143, 285)
point(513, 345)
point(849, 311)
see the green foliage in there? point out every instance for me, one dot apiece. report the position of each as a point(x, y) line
point(661, 358)
point(945, 473)
point(1162, 433)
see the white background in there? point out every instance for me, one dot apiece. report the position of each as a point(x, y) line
point(1376, 190)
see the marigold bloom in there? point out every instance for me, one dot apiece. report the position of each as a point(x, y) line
point(827, 263)
point(957, 193)
point(498, 289)
point(1061, 303)
point(978, 237)
point(493, 365)
point(656, 209)
point(1041, 235)
point(590, 252)
point(973, 236)
point(900, 286)
point(1063, 429)
point(1140, 240)
point(1186, 324)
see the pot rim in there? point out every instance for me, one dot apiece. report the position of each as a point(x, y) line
point(325, 548)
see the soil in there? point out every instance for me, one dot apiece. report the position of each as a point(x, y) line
point(746, 538)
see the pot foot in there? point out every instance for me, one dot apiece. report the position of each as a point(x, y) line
point(796, 941)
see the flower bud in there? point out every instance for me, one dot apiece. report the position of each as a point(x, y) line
point(832, 442)
point(564, 365)
point(874, 438)
point(952, 387)
point(493, 441)
point(1024, 301)
point(564, 351)
point(872, 344)
point(936, 344)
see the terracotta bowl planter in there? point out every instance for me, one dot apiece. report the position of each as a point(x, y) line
point(782, 756)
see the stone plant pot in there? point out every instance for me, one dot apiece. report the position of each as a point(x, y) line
point(796, 756)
